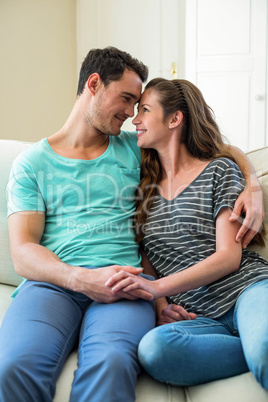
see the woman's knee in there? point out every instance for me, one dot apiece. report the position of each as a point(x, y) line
point(153, 350)
point(257, 359)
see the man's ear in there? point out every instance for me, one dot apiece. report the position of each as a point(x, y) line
point(176, 119)
point(93, 83)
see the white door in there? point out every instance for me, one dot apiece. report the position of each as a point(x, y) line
point(226, 57)
point(149, 30)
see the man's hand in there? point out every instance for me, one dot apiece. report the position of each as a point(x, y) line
point(173, 313)
point(249, 202)
point(91, 282)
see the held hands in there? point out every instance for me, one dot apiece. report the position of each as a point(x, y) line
point(250, 201)
point(127, 283)
point(92, 283)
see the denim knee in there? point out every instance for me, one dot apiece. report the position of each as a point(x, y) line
point(119, 362)
point(191, 352)
point(110, 375)
point(252, 323)
point(151, 352)
point(257, 359)
point(8, 374)
point(18, 384)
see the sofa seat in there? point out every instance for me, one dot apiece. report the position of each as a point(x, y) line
point(242, 388)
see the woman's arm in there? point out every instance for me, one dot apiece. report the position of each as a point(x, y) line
point(250, 200)
point(224, 261)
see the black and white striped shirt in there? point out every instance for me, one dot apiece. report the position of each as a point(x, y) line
point(181, 232)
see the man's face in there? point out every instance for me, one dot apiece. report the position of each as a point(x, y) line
point(115, 103)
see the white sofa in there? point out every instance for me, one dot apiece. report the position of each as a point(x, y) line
point(242, 388)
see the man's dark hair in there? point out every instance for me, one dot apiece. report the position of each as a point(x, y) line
point(110, 63)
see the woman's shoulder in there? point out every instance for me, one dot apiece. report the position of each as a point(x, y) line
point(224, 165)
point(223, 168)
point(223, 162)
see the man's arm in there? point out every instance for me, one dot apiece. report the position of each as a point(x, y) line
point(35, 262)
point(250, 200)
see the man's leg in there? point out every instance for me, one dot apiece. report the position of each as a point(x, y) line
point(191, 352)
point(107, 359)
point(252, 322)
point(37, 334)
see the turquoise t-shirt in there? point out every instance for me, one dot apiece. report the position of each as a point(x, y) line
point(88, 204)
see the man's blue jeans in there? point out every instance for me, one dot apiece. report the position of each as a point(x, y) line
point(203, 350)
point(41, 328)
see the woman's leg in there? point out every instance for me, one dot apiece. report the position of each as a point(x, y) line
point(37, 334)
point(252, 323)
point(191, 352)
point(107, 358)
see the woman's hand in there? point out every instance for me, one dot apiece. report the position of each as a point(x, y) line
point(127, 282)
point(174, 313)
point(250, 202)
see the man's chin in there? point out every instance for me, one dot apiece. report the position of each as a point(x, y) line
point(115, 133)
point(111, 132)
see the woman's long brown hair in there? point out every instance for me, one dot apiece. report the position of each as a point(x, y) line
point(200, 134)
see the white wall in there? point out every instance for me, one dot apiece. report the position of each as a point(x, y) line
point(38, 66)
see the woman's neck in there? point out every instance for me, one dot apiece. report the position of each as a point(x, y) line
point(176, 158)
point(180, 168)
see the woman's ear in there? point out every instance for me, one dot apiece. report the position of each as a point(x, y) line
point(176, 119)
point(93, 83)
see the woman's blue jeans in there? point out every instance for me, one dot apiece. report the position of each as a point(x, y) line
point(202, 350)
point(43, 325)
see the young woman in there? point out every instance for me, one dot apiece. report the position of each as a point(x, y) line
point(215, 314)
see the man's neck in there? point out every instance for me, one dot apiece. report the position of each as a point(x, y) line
point(78, 146)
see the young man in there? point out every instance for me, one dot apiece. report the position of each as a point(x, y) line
point(70, 220)
point(70, 209)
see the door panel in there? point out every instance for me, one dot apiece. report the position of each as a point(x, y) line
point(226, 57)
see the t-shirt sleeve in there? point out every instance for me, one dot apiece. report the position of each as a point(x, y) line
point(23, 192)
point(228, 184)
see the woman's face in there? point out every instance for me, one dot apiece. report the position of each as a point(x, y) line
point(150, 127)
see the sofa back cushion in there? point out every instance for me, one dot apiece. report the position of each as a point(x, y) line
point(259, 159)
point(9, 149)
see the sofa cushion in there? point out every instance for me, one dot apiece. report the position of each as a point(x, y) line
point(243, 387)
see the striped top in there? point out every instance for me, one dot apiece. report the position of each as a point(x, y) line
point(182, 232)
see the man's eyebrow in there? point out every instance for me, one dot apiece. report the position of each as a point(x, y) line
point(131, 95)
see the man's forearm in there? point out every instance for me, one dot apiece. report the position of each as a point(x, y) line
point(35, 262)
point(246, 168)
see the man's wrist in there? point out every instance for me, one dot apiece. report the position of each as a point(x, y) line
point(74, 281)
point(253, 184)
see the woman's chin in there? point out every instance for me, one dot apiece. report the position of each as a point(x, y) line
point(141, 143)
